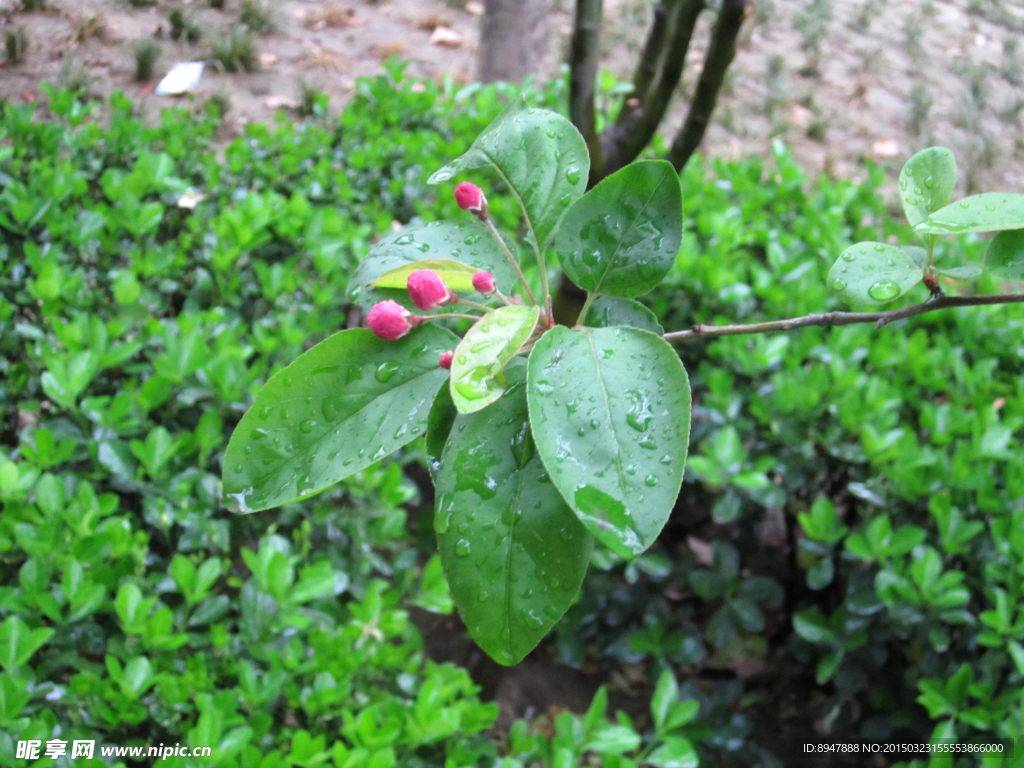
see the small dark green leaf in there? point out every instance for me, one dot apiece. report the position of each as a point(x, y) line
point(927, 182)
point(456, 275)
point(611, 413)
point(540, 155)
point(513, 552)
point(873, 273)
point(1005, 255)
point(988, 212)
point(622, 237)
point(346, 403)
point(439, 426)
point(469, 242)
point(813, 627)
point(609, 312)
point(477, 374)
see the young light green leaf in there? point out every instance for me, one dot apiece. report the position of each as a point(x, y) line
point(542, 158)
point(18, 642)
point(469, 242)
point(873, 273)
point(622, 237)
point(347, 402)
point(927, 182)
point(665, 694)
point(478, 377)
point(609, 312)
point(513, 552)
point(1005, 255)
point(988, 212)
point(611, 411)
point(456, 275)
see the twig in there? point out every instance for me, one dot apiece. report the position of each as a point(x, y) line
point(720, 54)
point(584, 52)
point(830, 319)
point(511, 258)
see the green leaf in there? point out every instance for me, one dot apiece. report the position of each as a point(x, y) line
point(339, 407)
point(1005, 255)
point(478, 366)
point(18, 642)
point(614, 740)
point(676, 752)
point(469, 242)
point(665, 694)
point(813, 627)
point(622, 237)
point(988, 212)
point(512, 550)
point(610, 312)
point(927, 182)
point(966, 272)
point(873, 273)
point(611, 412)
point(439, 426)
point(542, 158)
point(456, 275)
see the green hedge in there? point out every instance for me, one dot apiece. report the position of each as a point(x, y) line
point(137, 610)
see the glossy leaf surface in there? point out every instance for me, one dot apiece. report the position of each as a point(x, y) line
point(989, 212)
point(927, 182)
point(608, 312)
point(610, 408)
point(1005, 254)
point(540, 155)
point(513, 552)
point(874, 273)
point(344, 404)
point(622, 237)
point(457, 276)
point(439, 426)
point(477, 375)
point(469, 242)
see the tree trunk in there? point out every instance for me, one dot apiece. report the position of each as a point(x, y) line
point(513, 39)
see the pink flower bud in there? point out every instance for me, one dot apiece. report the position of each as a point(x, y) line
point(483, 282)
point(428, 291)
point(445, 361)
point(471, 198)
point(390, 320)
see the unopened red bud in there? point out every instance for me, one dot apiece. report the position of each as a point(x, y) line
point(471, 198)
point(445, 361)
point(483, 282)
point(428, 291)
point(390, 320)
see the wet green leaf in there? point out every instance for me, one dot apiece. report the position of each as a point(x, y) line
point(513, 552)
point(457, 276)
point(874, 273)
point(347, 402)
point(988, 212)
point(1005, 255)
point(611, 410)
point(439, 426)
point(622, 237)
point(542, 158)
point(477, 375)
point(609, 312)
point(960, 273)
point(927, 182)
point(469, 242)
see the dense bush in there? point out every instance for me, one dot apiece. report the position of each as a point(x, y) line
point(862, 489)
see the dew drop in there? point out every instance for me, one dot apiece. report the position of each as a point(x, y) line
point(838, 284)
point(306, 426)
point(572, 175)
point(884, 290)
point(650, 481)
point(386, 370)
point(462, 548)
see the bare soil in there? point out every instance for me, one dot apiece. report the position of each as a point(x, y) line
point(839, 82)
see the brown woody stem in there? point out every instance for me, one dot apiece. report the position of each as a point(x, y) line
point(830, 319)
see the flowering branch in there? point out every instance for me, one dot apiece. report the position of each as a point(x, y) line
point(830, 319)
